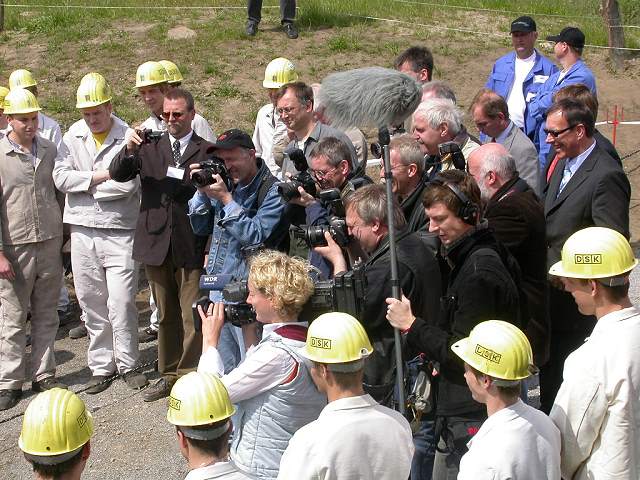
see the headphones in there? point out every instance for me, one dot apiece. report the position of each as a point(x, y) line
point(468, 211)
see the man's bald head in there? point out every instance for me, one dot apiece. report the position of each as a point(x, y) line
point(491, 166)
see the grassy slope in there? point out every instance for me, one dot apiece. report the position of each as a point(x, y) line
point(223, 68)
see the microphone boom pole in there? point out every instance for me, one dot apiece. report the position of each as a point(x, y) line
point(384, 139)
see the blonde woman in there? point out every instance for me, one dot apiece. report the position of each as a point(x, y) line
point(272, 388)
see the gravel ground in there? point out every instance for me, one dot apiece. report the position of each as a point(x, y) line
point(133, 439)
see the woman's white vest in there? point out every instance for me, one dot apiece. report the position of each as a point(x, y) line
point(268, 421)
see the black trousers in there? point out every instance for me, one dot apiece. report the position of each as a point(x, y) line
point(287, 10)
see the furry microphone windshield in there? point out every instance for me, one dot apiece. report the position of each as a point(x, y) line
point(372, 96)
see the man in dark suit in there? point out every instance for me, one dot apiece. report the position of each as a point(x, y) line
point(164, 241)
point(517, 219)
point(580, 93)
point(587, 188)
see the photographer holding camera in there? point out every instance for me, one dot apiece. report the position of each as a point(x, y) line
point(272, 388)
point(331, 169)
point(419, 277)
point(164, 241)
point(241, 210)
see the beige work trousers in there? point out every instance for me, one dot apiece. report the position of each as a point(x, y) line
point(38, 269)
point(106, 281)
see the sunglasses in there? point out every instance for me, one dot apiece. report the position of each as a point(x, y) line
point(557, 133)
point(168, 115)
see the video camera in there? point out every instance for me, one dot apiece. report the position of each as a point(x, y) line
point(213, 165)
point(289, 190)
point(238, 314)
point(344, 293)
point(148, 136)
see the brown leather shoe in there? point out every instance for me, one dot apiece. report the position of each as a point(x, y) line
point(160, 389)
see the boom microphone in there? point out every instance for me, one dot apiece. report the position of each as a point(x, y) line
point(372, 96)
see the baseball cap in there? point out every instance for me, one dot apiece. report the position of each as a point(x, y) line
point(572, 36)
point(523, 24)
point(234, 138)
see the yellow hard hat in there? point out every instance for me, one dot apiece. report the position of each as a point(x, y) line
point(595, 252)
point(199, 399)
point(173, 72)
point(93, 91)
point(498, 349)
point(3, 93)
point(279, 72)
point(150, 73)
point(21, 79)
point(336, 337)
point(19, 101)
point(56, 424)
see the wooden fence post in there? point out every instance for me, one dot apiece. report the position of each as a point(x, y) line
point(611, 14)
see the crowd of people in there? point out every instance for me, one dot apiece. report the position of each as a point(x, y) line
point(519, 341)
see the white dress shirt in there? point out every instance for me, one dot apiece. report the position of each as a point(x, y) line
point(353, 438)
point(515, 443)
point(598, 408)
point(263, 368)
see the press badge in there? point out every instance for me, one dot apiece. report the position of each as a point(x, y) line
point(540, 78)
point(175, 172)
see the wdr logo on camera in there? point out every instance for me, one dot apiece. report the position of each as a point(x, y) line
point(588, 258)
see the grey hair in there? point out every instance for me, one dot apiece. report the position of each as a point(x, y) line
point(436, 111)
point(370, 203)
point(334, 149)
point(503, 164)
point(440, 90)
point(409, 151)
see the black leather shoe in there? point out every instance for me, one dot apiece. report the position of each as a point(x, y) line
point(9, 398)
point(291, 30)
point(147, 335)
point(160, 389)
point(98, 383)
point(47, 384)
point(252, 28)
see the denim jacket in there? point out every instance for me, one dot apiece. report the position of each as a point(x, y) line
point(235, 225)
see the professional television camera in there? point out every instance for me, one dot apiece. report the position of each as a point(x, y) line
point(344, 293)
point(289, 190)
point(238, 313)
point(212, 165)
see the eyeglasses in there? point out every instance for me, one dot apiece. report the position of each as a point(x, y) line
point(286, 110)
point(319, 174)
point(176, 115)
point(557, 133)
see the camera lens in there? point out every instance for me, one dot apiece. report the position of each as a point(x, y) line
point(288, 190)
point(203, 178)
point(315, 236)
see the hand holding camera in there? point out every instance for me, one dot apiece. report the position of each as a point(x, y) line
point(137, 137)
point(211, 323)
point(211, 178)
